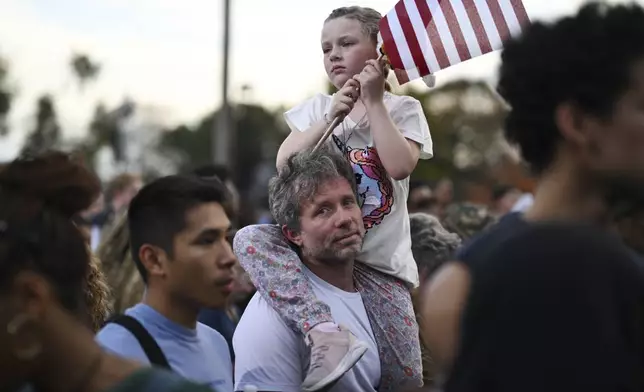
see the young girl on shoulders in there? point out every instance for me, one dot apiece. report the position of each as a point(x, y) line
point(383, 136)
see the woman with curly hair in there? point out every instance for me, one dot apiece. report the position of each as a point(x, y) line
point(45, 271)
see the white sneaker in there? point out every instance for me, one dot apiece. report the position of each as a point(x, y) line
point(332, 355)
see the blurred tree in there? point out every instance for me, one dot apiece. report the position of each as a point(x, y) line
point(105, 129)
point(5, 98)
point(258, 134)
point(101, 126)
point(46, 134)
point(466, 121)
point(99, 131)
point(84, 69)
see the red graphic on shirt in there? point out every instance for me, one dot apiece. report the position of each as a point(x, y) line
point(375, 188)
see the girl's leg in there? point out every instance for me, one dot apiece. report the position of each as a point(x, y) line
point(393, 321)
point(276, 271)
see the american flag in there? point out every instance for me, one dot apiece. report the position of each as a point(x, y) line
point(421, 37)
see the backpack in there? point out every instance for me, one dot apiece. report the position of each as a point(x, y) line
point(148, 344)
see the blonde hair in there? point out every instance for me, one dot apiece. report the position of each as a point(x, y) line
point(368, 18)
point(97, 294)
point(120, 271)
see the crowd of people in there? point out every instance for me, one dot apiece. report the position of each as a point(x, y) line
point(363, 282)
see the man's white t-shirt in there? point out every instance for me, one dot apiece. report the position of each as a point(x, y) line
point(272, 357)
point(387, 245)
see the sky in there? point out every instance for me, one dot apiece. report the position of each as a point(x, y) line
point(166, 54)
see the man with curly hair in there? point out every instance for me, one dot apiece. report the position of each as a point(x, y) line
point(552, 300)
point(432, 246)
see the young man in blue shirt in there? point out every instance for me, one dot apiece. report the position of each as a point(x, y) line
point(178, 229)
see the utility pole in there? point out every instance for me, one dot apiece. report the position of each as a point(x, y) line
point(222, 128)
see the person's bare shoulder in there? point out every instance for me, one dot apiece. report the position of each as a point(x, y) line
point(443, 301)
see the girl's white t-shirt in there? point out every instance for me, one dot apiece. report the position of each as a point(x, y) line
point(387, 244)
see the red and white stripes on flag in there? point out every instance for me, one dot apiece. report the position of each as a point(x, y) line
point(421, 37)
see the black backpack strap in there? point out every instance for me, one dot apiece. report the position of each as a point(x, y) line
point(147, 342)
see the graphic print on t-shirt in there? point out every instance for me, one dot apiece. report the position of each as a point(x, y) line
point(375, 190)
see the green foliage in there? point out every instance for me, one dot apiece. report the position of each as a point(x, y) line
point(104, 131)
point(257, 135)
point(46, 134)
point(5, 97)
point(84, 68)
point(466, 121)
point(100, 131)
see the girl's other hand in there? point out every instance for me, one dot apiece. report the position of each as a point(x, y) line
point(344, 100)
point(372, 82)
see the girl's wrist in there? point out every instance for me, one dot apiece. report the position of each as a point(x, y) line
point(375, 104)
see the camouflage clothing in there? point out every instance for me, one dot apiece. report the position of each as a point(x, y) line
point(467, 219)
point(121, 272)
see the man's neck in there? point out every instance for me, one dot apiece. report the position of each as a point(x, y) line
point(338, 274)
point(175, 310)
point(562, 196)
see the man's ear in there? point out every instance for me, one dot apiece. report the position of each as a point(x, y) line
point(582, 131)
point(152, 258)
point(572, 123)
point(292, 235)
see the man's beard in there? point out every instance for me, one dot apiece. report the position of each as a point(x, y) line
point(331, 253)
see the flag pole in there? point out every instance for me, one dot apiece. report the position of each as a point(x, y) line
point(336, 121)
point(327, 133)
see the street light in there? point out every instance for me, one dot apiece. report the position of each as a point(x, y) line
point(222, 129)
